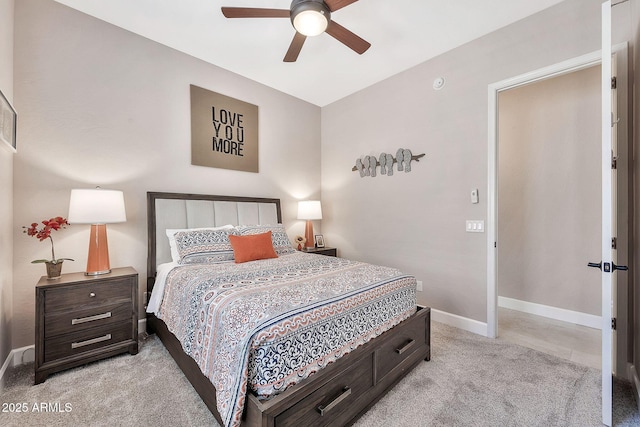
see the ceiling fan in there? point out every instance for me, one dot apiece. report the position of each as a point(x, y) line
point(309, 18)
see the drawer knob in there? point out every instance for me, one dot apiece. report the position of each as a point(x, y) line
point(405, 347)
point(92, 295)
point(346, 391)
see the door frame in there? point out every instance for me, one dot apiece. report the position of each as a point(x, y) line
point(624, 223)
point(559, 69)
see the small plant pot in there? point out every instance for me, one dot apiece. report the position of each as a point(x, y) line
point(54, 270)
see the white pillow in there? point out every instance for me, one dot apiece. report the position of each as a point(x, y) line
point(175, 255)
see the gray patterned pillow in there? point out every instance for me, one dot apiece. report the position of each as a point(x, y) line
point(279, 237)
point(175, 256)
point(204, 246)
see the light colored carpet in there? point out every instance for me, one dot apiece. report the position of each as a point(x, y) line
point(147, 389)
point(470, 381)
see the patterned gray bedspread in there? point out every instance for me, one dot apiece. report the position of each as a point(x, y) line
point(266, 325)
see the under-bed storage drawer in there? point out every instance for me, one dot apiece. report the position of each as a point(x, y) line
point(325, 400)
point(331, 404)
point(411, 336)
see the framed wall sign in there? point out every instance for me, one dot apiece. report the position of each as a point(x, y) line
point(224, 131)
point(8, 122)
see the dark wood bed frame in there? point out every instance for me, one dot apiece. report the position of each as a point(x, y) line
point(338, 394)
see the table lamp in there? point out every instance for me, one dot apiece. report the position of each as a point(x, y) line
point(97, 207)
point(309, 210)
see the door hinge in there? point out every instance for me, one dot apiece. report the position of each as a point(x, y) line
point(614, 121)
point(614, 82)
point(613, 323)
point(614, 243)
point(614, 162)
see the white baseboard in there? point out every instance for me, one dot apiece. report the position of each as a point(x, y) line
point(459, 322)
point(635, 382)
point(17, 356)
point(24, 355)
point(4, 368)
point(556, 313)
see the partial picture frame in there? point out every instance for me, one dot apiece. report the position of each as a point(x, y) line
point(8, 122)
point(319, 240)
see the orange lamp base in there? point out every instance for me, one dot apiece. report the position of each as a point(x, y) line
point(308, 234)
point(98, 260)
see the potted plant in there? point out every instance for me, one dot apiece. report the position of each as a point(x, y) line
point(54, 265)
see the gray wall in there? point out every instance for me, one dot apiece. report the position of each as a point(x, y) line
point(102, 106)
point(549, 185)
point(6, 186)
point(416, 221)
point(83, 86)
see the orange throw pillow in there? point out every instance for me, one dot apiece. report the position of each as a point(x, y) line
point(252, 247)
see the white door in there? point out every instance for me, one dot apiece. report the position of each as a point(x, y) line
point(614, 212)
point(607, 264)
point(607, 214)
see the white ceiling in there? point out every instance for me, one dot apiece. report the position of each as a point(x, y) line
point(403, 33)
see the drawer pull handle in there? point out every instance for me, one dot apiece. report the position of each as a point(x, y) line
point(324, 409)
point(91, 318)
point(406, 347)
point(92, 295)
point(91, 341)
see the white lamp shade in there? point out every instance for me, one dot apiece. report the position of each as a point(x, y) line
point(309, 210)
point(96, 206)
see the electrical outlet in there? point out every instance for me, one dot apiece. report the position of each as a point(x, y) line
point(419, 286)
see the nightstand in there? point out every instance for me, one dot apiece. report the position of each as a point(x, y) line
point(323, 251)
point(81, 319)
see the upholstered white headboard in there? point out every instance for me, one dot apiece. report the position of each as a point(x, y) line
point(177, 210)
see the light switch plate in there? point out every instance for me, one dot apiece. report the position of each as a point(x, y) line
point(475, 226)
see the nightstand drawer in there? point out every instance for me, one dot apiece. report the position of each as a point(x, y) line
point(69, 322)
point(87, 295)
point(82, 341)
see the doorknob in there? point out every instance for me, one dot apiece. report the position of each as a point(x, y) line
point(619, 267)
point(593, 264)
point(608, 267)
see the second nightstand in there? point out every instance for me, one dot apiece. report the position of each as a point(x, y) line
point(323, 251)
point(80, 319)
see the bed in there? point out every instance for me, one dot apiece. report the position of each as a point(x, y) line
point(308, 339)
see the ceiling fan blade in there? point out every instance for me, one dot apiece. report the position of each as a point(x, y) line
point(338, 4)
point(348, 38)
point(252, 12)
point(295, 47)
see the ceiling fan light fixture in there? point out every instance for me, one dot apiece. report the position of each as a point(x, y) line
point(310, 17)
